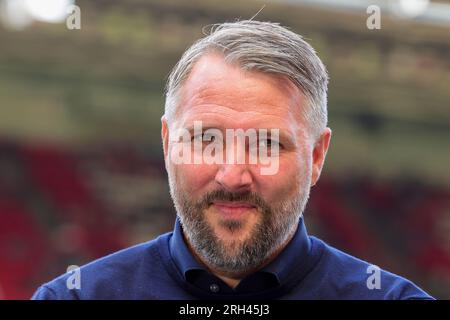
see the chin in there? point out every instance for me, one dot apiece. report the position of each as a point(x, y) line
point(227, 231)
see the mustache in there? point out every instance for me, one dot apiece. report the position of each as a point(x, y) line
point(249, 197)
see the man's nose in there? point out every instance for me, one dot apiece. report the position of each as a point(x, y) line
point(234, 177)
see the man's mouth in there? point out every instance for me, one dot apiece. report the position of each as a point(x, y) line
point(232, 209)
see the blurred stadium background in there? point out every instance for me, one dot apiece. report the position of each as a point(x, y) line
point(81, 168)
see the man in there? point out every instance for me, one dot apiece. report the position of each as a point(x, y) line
point(240, 230)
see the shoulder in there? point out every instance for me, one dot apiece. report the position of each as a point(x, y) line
point(343, 276)
point(120, 274)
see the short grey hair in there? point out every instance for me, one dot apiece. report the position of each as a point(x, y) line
point(261, 47)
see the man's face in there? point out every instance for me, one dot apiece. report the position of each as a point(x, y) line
point(233, 217)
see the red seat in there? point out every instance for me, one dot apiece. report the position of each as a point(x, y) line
point(22, 249)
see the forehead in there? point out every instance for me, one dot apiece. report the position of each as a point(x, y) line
point(222, 93)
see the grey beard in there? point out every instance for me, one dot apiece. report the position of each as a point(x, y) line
point(237, 257)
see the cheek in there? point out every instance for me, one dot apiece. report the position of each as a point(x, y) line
point(292, 174)
point(194, 177)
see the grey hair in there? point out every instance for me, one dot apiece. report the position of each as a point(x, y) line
point(262, 47)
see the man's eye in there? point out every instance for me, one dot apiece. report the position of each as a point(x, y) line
point(198, 137)
point(268, 143)
point(204, 137)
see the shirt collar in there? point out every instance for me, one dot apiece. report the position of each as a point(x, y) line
point(289, 263)
point(293, 259)
point(180, 253)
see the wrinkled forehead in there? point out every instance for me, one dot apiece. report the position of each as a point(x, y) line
point(219, 91)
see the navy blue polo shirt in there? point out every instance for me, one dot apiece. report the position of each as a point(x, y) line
point(164, 268)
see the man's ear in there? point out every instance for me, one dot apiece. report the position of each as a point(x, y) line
point(165, 136)
point(319, 154)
